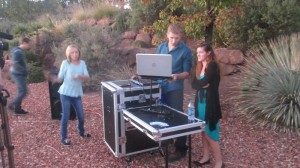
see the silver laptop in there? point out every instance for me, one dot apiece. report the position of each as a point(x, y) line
point(157, 66)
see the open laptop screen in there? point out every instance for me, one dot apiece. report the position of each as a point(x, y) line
point(154, 66)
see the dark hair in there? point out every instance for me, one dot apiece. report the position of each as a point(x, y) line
point(208, 48)
point(198, 66)
point(24, 40)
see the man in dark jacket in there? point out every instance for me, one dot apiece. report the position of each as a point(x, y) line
point(19, 73)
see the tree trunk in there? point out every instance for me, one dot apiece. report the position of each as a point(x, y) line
point(210, 27)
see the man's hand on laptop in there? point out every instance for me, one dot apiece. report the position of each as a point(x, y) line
point(135, 77)
point(174, 78)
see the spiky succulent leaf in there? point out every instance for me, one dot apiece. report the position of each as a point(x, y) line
point(270, 86)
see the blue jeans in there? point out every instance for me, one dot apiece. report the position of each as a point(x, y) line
point(66, 102)
point(21, 82)
point(174, 99)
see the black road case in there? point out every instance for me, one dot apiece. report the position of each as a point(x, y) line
point(120, 136)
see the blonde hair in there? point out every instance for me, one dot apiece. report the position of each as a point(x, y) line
point(176, 29)
point(69, 49)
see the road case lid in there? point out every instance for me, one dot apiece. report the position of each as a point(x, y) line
point(161, 122)
point(129, 85)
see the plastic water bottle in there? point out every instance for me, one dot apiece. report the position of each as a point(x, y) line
point(191, 111)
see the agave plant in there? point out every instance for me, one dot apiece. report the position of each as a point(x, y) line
point(270, 87)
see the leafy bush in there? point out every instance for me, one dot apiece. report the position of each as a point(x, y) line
point(26, 29)
point(95, 44)
point(36, 73)
point(122, 24)
point(35, 68)
point(145, 13)
point(261, 21)
point(269, 90)
point(105, 11)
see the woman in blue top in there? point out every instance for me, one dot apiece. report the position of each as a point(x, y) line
point(73, 72)
point(207, 104)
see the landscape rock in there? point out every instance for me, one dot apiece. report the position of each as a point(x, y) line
point(90, 22)
point(229, 56)
point(228, 60)
point(144, 38)
point(105, 22)
point(129, 35)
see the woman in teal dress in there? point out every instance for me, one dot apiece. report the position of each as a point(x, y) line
point(207, 104)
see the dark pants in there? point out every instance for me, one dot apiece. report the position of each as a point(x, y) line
point(21, 82)
point(174, 99)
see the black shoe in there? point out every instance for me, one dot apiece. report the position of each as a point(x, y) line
point(176, 156)
point(198, 164)
point(66, 142)
point(86, 135)
point(20, 112)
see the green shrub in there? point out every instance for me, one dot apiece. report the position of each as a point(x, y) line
point(144, 13)
point(269, 90)
point(35, 68)
point(32, 58)
point(26, 29)
point(105, 11)
point(260, 22)
point(36, 73)
point(122, 24)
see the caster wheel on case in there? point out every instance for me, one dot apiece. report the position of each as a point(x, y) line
point(151, 152)
point(128, 159)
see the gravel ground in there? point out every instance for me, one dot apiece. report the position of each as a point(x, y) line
point(37, 142)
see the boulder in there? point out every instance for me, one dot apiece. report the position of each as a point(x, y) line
point(125, 43)
point(90, 22)
point(229, 56)
point(222, 55)
point(131, 60)
point(129, 35)
point(228, 60)
point(144, 39)
point(236, 57)
point(105, 22)
point(228, 69)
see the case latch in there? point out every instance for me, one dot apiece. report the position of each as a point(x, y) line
point(122, 140)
